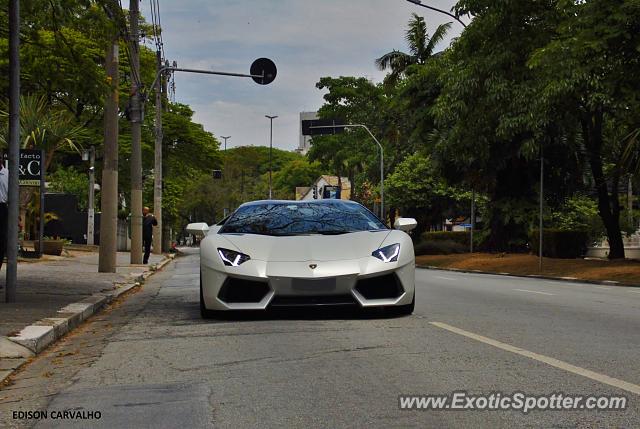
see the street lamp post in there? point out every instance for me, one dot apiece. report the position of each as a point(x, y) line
point(225, 210)
point(271, 118)
point(419, 3)
point(225, 141)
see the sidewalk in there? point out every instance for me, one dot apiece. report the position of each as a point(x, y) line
point(56, 294)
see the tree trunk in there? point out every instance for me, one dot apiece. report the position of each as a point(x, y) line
point(608, 205)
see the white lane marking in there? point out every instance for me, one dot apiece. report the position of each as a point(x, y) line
point(534, 291)
point(445, 278)
point(604, 287)
point(620, 384)
point(634, 291)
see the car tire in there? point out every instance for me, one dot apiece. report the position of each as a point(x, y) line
point(405, 310)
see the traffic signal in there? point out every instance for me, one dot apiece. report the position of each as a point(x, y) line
point(315, 193)
point(217, 174)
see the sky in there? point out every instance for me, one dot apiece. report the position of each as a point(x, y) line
point(307, 40)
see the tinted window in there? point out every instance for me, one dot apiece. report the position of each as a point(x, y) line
point(296, 219)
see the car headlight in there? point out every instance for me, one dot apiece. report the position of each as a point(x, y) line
point(231, 258)
point(388, 253)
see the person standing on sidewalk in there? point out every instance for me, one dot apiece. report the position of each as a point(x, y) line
point(148, 222)
point(4, 193)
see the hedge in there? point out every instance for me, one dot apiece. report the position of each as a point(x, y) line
point(439, 247)
point(461, 237)
point(559, 243)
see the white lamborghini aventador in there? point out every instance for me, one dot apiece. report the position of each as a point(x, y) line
point(296, 253)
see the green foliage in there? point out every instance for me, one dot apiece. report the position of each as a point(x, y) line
point(577, 213)
point(71, 181)
point(416, 189)
point(560, 243)
point(421, 48)
point(189, 154)
point(245, 178)
point(461, 237)
point(439, 247)
point(298, 172)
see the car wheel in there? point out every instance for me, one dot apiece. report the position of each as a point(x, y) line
point(405, 310)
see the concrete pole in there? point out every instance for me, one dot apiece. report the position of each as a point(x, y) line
point(630, 201)
point(157, 168)
point(136, 135)
point(14, 151)
point(109, 189)
point(90, 204)
point(541, 206)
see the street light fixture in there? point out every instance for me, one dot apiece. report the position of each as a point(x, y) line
point(271, 118)
point(419, 3)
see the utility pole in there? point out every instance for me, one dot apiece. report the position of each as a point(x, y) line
point(271, 118)
point(90, 204)
point(136, 130)
point(157, 168)
point(541, 205)
point(630, 200)
point(14, 150)
point(225, 141)
point(109, 190)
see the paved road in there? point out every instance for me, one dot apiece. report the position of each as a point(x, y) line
point(151, 362)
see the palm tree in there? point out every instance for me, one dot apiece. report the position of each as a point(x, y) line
point(421, 48)
point(41, 127)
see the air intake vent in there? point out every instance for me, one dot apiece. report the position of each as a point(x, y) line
point(240, 290)
point(380, 287)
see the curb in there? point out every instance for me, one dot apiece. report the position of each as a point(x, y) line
point(35, 338)
point(534, 276)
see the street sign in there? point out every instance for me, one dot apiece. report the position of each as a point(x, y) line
point(334, 124)
point(30, 168)
point(265, 68)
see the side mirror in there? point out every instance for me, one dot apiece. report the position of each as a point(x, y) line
point(405, 224)
point(198, 228)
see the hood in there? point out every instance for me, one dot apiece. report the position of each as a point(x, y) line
point(308, 247)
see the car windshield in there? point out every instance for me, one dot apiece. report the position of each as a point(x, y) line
point(283, 219)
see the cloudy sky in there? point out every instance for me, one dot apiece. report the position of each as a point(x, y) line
point(307, 39)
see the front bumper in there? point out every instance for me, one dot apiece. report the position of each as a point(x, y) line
point(256, 285)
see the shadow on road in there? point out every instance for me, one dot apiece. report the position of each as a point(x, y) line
point(307, 313)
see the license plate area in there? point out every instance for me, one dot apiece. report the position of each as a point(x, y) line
point(314, 285)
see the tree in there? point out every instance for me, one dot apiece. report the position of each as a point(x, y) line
point(43, 127)
point(354, 101)
point(421, 48)
point(245, 178)
point(298, 172)
point(587, 77)
point(485, 133)
point(417, 190)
